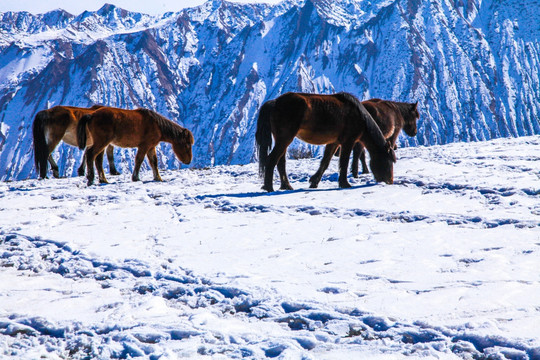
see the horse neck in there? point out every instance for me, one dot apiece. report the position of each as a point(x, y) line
point(165, 137)
point(168, 131)
point(372, 138)
point(402, 110)
point(373, 144)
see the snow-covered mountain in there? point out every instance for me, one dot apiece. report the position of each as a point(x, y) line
point(472, 65)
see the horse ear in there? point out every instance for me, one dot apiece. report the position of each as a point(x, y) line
point(415, 105)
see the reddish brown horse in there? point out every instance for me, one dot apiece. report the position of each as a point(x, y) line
point(54, 125)
point(391, 117)
point(335, 120)
point(140, 128)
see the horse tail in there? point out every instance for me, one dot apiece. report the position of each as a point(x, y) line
point(41, 149)
point(81, 130)
point(263, 135)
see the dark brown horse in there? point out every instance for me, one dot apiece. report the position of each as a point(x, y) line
point(54, 125)
point(332, 120)
point(392, 117)
point(141, 128)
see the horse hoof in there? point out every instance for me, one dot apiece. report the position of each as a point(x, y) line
point(103, 182)
point(56, 174)
point(135, 179)
point(286, 187)
point(80, 173)
point(90, 183)
point(115, 172)
point(345, 185)
point(268, 188)
point(313, 185)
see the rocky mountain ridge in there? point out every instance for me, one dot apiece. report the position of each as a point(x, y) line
point(472, 65)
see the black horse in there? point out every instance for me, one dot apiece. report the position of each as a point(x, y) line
point(333, 120)
point(392, 117)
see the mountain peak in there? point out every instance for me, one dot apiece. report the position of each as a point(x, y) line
point(59, 12)
point(106, 9)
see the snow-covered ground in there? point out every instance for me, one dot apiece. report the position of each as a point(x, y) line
point(442, 264)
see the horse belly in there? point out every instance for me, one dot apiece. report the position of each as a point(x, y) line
point(70, 136)
point(126, 142)
point(317, 138)
point(123, 144)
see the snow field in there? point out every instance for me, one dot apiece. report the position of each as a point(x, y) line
point(442, 264)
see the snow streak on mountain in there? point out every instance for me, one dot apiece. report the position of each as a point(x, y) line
point(472, 65)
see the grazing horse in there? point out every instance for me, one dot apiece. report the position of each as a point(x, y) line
point(333, 120)
point(53, 125)
point(141, 128)
point(391, 116)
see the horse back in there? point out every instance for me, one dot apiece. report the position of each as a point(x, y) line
point(124, 128)
point(314, 118)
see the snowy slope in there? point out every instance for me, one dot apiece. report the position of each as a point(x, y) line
point(473, 66)
point(442, 264)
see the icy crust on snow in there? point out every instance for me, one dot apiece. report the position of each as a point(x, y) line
point(440, 264)
point(173, 311)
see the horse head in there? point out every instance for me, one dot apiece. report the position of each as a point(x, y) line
point(382, 164)
point(409, 127)
point(182, 146)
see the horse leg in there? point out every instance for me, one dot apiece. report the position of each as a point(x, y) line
point(354, 164)
point(279, 150)
point(346, 149)
point(285, 185)
point(90, 156)
point(110, 159)
point(329, 150)
point(138, 162)
point(82, 167)
point(152, 159)
point(365, 169)
point(54, 166)
point(99, 167)
point(359, 153)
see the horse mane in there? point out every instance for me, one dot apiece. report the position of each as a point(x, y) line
point(371, 126)
point(168, 128)
point(403, 108)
